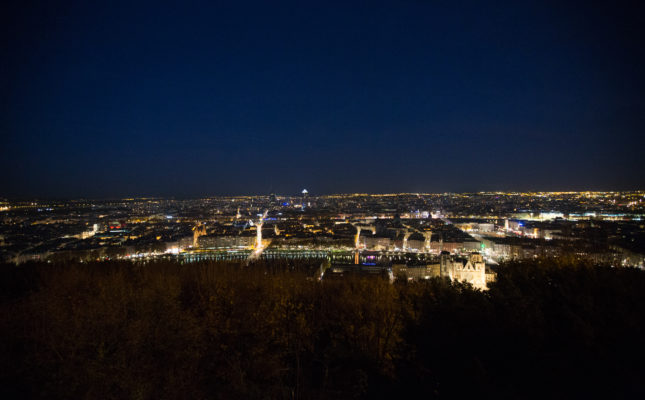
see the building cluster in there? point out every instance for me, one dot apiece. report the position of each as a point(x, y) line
point(460, 236)
point(471, 268)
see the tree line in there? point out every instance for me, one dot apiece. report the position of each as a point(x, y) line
point(556, 328)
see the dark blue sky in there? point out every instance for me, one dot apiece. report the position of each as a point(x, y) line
point(108, 99)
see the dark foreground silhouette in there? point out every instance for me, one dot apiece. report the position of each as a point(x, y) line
point(546, 329)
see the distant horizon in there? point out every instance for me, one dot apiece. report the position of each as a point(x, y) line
point(296, 194)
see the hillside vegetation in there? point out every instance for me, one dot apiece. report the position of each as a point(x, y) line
point(221, 330)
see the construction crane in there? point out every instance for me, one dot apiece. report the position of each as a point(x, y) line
point(427, 236)
point(258, 226)
point(359, 228)
point(198, 230)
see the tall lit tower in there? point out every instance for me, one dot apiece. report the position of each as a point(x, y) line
point(305, 196)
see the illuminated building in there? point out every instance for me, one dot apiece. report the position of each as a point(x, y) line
point(471, 270)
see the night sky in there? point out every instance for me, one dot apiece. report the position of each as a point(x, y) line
point(108, 99)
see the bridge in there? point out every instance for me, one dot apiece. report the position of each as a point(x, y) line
point(363, 257)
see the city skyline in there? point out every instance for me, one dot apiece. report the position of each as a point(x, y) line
point(358, 229)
